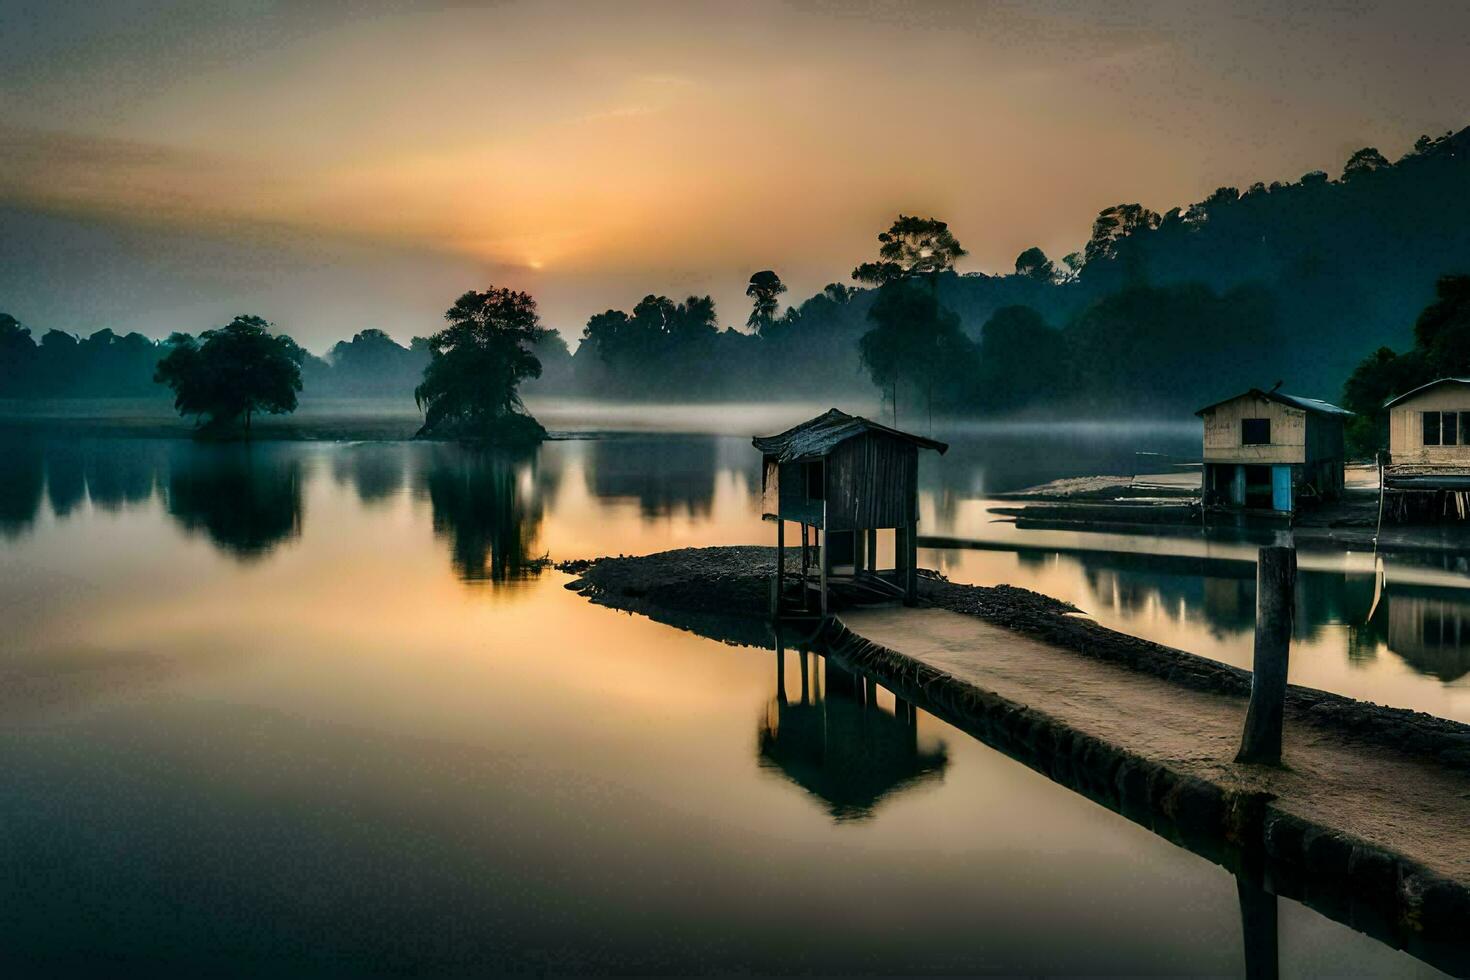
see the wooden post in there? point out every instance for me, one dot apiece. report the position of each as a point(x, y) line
point(1275, 592)
point(823, 560)
point(805, 565)
point(858, 540)
point(805, 680)
point(873, 550)
point(780, 564)
point(910, 541)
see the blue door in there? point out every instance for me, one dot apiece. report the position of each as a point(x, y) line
point(1281, 488)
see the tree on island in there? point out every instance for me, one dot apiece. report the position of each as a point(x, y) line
point(232, 372)
point(763, 289)
point(475, 366)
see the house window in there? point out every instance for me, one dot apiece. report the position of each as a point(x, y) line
point(815, 488)
point(1255, 432)
point(1445, 428)
point(1431, 428)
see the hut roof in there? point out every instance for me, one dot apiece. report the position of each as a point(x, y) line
point(819, 436)
point(1424, 387)
point(1316, 405)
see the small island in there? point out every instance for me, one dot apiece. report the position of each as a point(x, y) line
point(476, 364)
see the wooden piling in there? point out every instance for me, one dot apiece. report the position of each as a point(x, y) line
point(780, 566)
point(823, 560)
point(909, 539)
point(805, 567)
point(1275, 594)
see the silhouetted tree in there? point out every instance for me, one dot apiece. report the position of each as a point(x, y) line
point(17, 358)
point(1018, 362)
point(914, 340)
point(239, 369)
point(476, 365)
point(911, 246)
point(763, 289)
point(1441, 350)
point(1365, 161)
point(1033, 264)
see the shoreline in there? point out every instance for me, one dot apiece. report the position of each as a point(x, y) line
point(1269, 826)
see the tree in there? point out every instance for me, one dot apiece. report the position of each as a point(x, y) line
point(1116, 223)
point(1033, 264)
point(1441, 350)
point(1013, 369)
point(914, 340)
point(238, 370)
point(17, 357)
point(1365, 161)
point(763, 289)
point(476, 365)
point(911, 246)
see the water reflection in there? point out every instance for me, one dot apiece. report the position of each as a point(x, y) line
point(376, 471)
point(245, 499)
point(665, 474)
point(22, 484)
point(839, 745)
point(488, 504)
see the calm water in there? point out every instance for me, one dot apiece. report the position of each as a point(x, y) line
point(315, 708)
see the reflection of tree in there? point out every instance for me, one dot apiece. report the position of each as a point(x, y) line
point(837, 744)
point(487, 504)
point(247, 499)
point(120, 474)
point(663, 474)
point(21, 486)
point(66, 481)
point(375, 470)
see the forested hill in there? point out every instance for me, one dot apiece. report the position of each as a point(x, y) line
point(1157, 312)
point(1318, 273)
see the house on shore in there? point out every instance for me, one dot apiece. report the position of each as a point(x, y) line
point(1269, 451)
point(842, 479)
point(1427, 473)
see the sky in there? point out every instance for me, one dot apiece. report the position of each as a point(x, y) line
point(337, 165)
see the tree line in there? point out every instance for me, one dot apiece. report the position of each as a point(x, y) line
point(1157, 312)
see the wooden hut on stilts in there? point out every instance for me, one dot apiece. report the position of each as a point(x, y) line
point(843, 480)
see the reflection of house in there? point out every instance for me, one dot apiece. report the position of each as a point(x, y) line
point(845, 478)
point(1264, 450)
point(840, 746)
point(1428, 471)
point(1432, 634)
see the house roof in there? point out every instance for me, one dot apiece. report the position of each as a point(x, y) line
point(1414, 391)
point(1316, 405)
point(819, 436)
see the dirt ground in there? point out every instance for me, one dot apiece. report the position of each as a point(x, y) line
point(1401, 802)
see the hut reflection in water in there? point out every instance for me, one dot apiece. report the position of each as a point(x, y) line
point(839, 744)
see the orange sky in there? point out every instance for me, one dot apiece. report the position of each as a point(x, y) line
point(596, 152)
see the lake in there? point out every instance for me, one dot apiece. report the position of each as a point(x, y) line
point(321, 708)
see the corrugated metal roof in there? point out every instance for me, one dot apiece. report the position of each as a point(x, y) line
point(818, 436)
point(1414, 391)
point(1281, 398)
